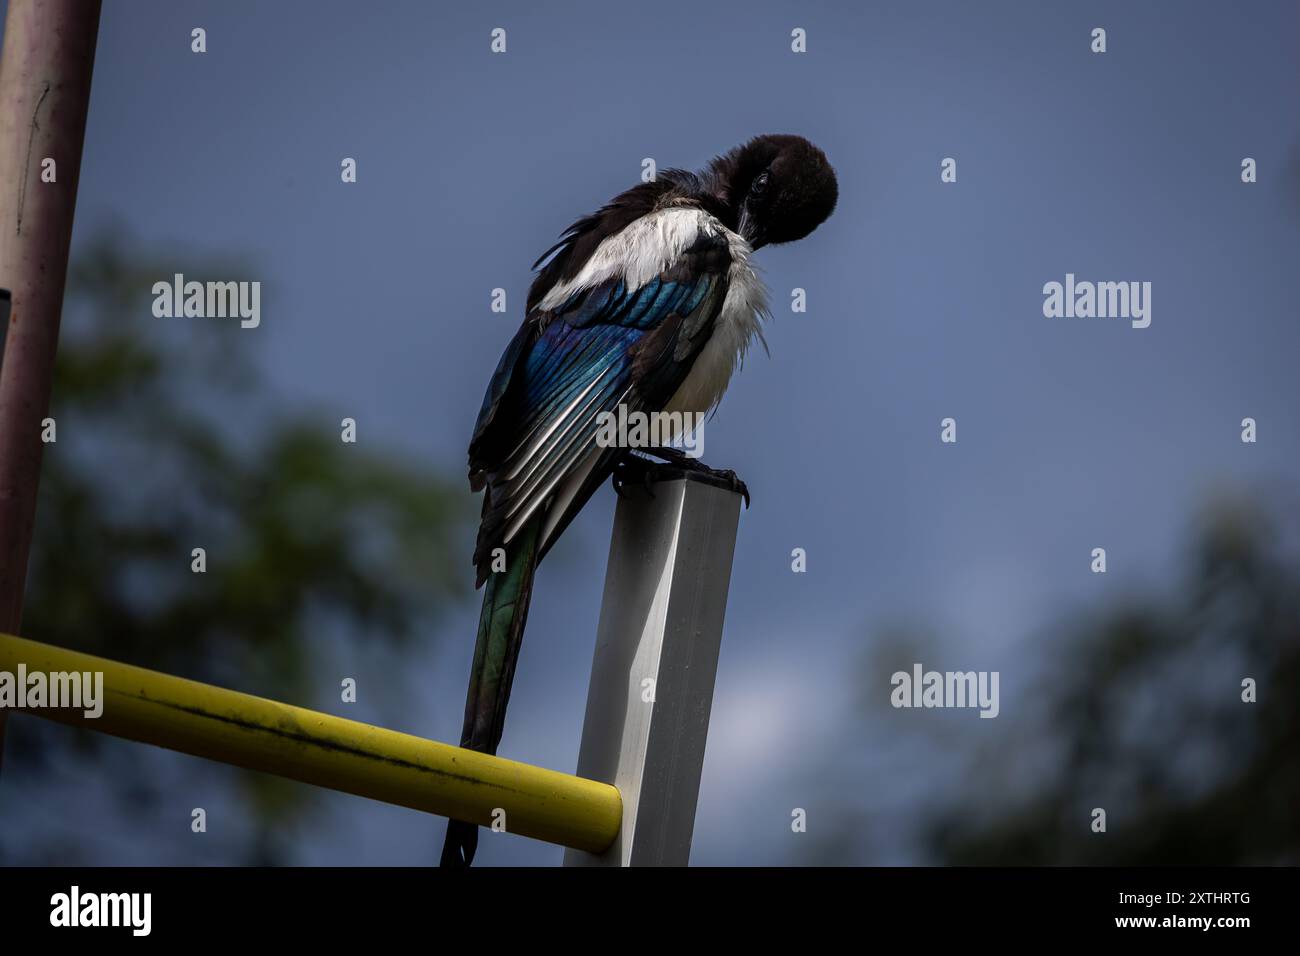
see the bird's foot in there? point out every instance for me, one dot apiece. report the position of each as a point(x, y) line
point(634, 469)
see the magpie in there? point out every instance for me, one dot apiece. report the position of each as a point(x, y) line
point(648, 304)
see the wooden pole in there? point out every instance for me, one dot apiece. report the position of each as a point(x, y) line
point(45, 70)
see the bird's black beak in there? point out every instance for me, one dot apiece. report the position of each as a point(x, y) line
point(749, 228)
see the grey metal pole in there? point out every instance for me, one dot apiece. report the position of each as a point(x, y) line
point(45, 70)
point(656, 659)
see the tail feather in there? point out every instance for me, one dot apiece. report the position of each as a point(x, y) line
point(500, 634)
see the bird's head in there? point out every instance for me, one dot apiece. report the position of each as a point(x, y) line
point(775, 188)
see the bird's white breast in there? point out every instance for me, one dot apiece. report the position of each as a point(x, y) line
point(737, 325)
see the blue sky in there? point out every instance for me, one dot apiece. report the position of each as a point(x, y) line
point(924, 301)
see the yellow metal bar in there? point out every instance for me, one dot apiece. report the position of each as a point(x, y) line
point(317, 748)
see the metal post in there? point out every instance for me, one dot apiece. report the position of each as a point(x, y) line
point(656, 659)
point(45, 69)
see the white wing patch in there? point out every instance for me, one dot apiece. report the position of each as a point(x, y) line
point(638, 253)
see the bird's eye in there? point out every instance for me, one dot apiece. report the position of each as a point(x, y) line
point(759, 185)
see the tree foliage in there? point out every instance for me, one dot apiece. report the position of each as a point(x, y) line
point(170, 439)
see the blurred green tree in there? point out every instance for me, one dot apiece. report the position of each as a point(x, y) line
point(169, 440)
point(1141, 713)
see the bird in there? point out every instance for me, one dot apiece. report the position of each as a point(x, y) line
point(649, 303)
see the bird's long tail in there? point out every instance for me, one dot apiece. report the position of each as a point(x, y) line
point(500, 633)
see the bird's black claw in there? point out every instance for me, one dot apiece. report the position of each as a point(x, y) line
point(739, 487)
point(674, 463)
point(732, 481)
